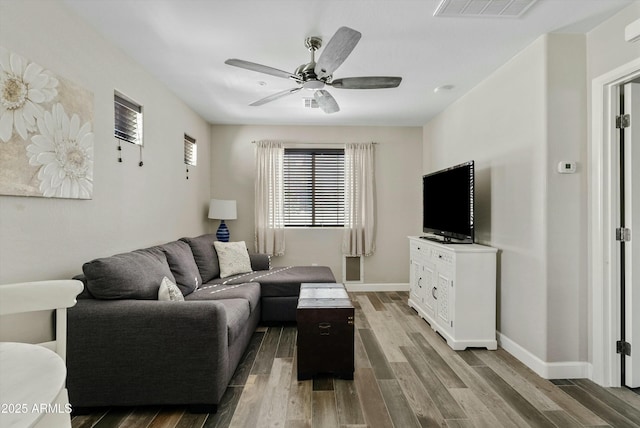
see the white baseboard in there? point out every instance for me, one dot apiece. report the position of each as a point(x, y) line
point(377, 287)
point(558, 370)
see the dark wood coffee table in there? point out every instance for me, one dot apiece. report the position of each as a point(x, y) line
point(325, 331)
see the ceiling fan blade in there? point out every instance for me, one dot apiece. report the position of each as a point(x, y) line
point(369, 82)
point(261, 68)
point(275, 96)
point(325, 101)
point(336, 51)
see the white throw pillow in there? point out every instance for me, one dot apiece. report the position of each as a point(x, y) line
point(169, 291)
point(233, 258)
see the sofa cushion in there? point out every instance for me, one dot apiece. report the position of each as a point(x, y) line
point(237, 317)
point(281, 281)
point(233, 258)
point(182, 265)
point(260, 261)
point(133, 275)
point(169, 291)
point(286, 282)
point(204, 255)
point(248, 291)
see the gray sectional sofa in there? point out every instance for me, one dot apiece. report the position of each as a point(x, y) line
point(126, 348)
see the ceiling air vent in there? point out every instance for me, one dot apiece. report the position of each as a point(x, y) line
point(310, 103)
point(483, 8)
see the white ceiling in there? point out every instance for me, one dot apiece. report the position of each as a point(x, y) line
point(184, 43)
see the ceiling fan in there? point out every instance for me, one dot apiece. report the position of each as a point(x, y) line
point(316, 75)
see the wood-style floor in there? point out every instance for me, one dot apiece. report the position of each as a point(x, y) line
point(406, 376)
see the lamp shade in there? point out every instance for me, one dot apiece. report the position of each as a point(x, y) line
point(221, 209)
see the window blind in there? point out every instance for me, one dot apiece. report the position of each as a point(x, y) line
point(314, 187)
point(128, 120)
point(190, 150)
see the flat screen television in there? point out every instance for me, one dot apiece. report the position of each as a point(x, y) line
point(447, 204)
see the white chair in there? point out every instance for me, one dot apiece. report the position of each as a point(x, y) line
point(32, 377)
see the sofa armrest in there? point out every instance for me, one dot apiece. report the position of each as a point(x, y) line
point(128, 352)
point(260, 261)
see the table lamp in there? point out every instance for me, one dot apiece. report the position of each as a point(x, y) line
point(220, 209)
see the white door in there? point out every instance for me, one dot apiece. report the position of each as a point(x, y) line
point(632, 221)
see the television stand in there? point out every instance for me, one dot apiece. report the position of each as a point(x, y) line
point(453, 287)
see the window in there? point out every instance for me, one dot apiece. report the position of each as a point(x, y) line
point(128, 120)
point(190, 151)
point(314, 187)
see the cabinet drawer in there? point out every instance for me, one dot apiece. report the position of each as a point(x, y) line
point(418, 252)
point(424, 253)
point(441, 257)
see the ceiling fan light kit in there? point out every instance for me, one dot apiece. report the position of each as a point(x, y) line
point(314, 76)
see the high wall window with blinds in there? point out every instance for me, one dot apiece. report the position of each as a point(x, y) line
point(190, 151)
point(128, 120)
point(314, 187)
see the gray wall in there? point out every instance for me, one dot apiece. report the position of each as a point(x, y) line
point(132, 207)
point(518, 124)
point(44, 238)
point(501, 124)
point(398, 165)
point(566, 199)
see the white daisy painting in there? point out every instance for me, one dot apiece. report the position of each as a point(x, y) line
point(46, 136)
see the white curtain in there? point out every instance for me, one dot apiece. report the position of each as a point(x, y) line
point(269, 198)
point(359, 192)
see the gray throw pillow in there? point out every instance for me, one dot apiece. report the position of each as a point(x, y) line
point(134, 275)
point(260, 261)
point(204, 255)
point(183, 266)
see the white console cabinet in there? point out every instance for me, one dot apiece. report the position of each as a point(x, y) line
point(453, 287)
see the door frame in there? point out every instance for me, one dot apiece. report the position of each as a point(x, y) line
point(603, 254)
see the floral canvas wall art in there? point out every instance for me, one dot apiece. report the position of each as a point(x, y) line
point(46, 137)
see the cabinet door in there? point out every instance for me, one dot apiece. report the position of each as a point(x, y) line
point(445, 299)
point(415, 281)
point(429, 275)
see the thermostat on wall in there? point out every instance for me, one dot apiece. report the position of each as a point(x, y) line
point(567, 167)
